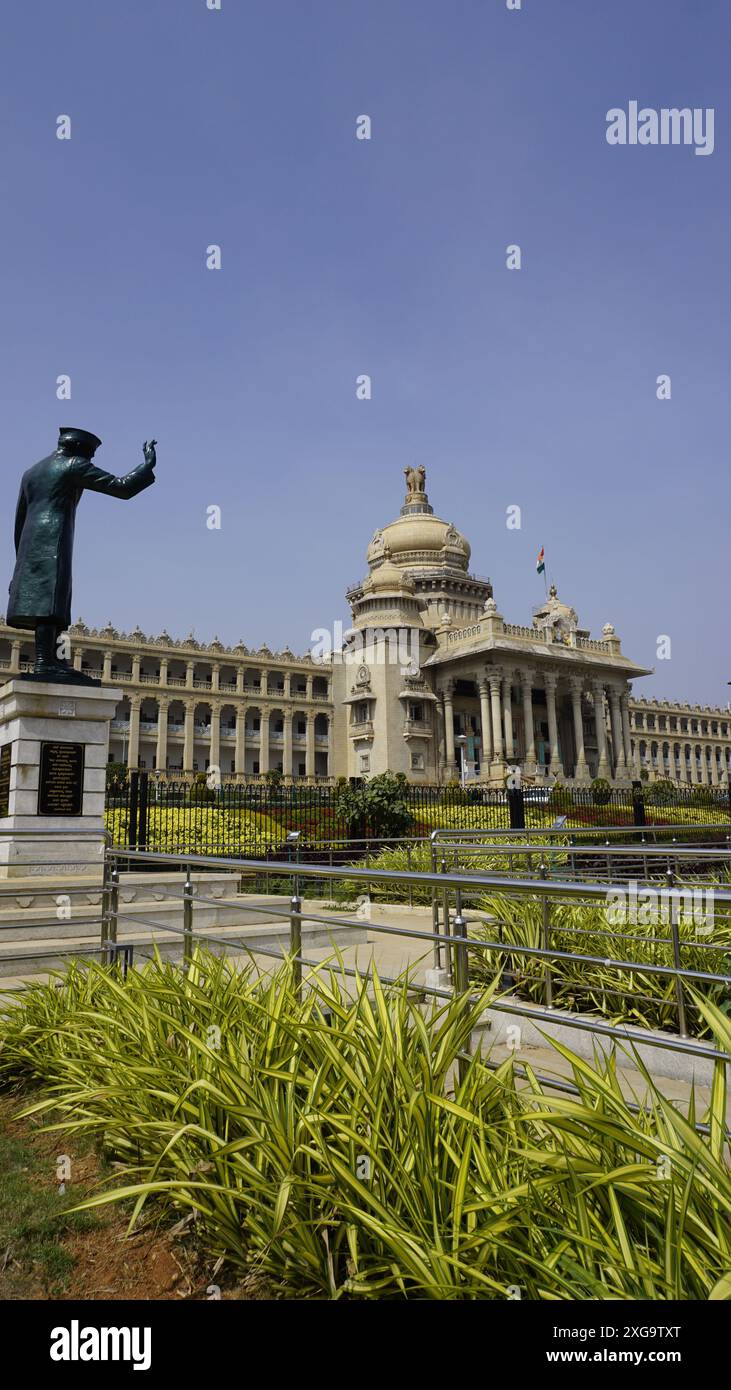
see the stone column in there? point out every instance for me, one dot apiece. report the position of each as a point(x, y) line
point(264, 685)
point(264, 742)
point(188, 736)
point(135, 670)
point(133, 753)
point(550, 683)
point(161, 752)
point(189, 674)
point(308, 684)
point(495, 680)
point(620, 762)
point(214, 751)
point(240, 754)
point(107, 667)
point(603, 769)
point(78, 654)
point(485, 729)
point(310, 743)
point(508, 719)
point(240, 681)
point(714, 767)
point(526, 681)
point(327, 746)
point(695, 776)
point(162, 675)
point(15, 656)
point(581, 771)
point(627, 734)
point(683, 763)
point(215, 676)
point(287, 744)
point(450, 766)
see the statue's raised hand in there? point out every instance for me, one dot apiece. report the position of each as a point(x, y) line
point(149, 452)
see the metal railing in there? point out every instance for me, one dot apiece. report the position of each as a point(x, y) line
point(538, 852)
point(450, 941)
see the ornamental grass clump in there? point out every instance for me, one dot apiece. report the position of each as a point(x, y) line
point(345, 1144)
point(589, 929)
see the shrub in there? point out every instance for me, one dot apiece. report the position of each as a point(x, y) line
point(561, 798)
point(380, 807)
point(661, 793)
point(331, 1143)
point(601, 791)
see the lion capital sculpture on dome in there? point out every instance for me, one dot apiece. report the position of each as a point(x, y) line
point(415, 480)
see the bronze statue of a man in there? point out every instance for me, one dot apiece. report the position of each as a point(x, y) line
point(50, 492)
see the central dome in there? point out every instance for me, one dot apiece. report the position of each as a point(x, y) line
point(417, 539)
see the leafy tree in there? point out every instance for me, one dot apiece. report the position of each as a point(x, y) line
point(380, 807)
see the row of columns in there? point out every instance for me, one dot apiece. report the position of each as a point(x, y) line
point(133, 752)
point(708, 775)
point(496, 722)
point(641, 726)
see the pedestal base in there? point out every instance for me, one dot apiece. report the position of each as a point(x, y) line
point(53, 779)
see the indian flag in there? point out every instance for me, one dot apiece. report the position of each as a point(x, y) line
point(541, 561)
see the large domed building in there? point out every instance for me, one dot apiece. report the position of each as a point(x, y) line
point(433, 682)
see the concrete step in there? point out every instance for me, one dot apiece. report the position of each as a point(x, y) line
point(85, 919)
point(44, 952)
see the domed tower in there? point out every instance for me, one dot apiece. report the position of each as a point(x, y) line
point(418, 579)
point(429, 553)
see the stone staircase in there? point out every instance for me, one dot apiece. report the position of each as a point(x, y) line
point(44, 926)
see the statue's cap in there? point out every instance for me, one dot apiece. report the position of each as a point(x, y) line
point(66, 435)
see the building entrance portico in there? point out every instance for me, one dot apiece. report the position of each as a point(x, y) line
point(551, 725)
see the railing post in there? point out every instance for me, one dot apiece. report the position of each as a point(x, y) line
point(461, 969)
point(188, 917)
point(461, 955)
point(109, 921)
point(546, 943)
point(295, 941)
point(677, 960)
point(435, 908)
point(445, 921)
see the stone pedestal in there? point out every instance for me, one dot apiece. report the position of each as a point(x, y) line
point(53, 777)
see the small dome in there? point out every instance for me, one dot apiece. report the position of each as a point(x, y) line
point(388, 578)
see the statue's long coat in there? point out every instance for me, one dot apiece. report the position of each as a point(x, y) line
point(50, 491)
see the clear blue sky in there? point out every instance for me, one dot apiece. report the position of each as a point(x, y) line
point(192, 127)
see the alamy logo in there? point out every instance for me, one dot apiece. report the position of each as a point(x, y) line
point(77, 1343)
point(643, 906)
point(668, 126)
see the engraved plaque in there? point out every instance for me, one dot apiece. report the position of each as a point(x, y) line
point(5, 756)
point(61, 780)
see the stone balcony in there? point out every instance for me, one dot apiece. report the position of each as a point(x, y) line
point(361, 730)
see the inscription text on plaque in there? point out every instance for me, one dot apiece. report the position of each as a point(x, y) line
point(61, 779)
point(5, 755)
